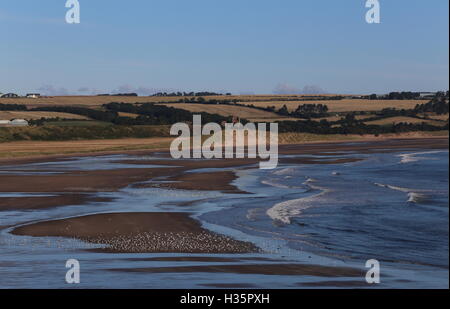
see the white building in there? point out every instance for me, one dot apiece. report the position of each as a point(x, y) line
point(14, 123)
point(427, 94)
point(33, 95)
point(19, 122)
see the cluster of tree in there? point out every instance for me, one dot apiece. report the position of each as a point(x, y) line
point(188, 94)
point(41, 121)
point(404, 95)
point(393, 112)
point(61, 133)
point(350, 125)
point(438, 105)
point(202, 100)
point(305, 111)
point(150, 113)
point(132, 94)
point(12, 107)
point(192, 97)
point(298, 98)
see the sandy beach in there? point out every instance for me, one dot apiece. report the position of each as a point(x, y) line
point(140, 233)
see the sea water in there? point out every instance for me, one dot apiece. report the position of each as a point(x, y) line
point(392, 207)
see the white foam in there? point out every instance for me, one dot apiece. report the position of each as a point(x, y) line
point(406, 190)
point(284, 211)
point(414, 195)
point(285, 171)
point(413, 157)
point(275, 184)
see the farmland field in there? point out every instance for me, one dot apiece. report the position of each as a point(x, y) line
point(8, 115)
point(96, 101)
point(347, 105)
point(438, 117)
point(79, 123)
point(227, 110)
point(391, 120)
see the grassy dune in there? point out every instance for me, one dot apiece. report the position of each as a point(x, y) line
point(85, 132)
point(44, 148)
point(25, 149)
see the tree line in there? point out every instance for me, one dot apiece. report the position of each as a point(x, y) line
point(148, 114)
point(349, 125)
point(12, 107)
point(188, 94)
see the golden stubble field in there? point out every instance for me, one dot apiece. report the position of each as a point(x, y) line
point(8, 115)
point(346, 105)
point(393, 120)
point(228, 110)
point(335, 106)
point(96, 101)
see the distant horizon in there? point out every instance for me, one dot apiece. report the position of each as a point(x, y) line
point(218, 93)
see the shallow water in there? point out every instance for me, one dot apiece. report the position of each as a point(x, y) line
point(390, 207)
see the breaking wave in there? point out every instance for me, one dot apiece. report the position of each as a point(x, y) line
point(284, 211)
point(275, 184)
point(413, 157)
point(285, 171)
point(414, 195)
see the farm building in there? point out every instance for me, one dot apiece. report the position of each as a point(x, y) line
point(14, 123)
point(33, 95)
point(19, 122)
point(427, 94)
point(9, 95)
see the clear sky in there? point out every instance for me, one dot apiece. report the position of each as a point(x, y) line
point(240, 46)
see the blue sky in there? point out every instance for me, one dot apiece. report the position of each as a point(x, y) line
point(240, 46)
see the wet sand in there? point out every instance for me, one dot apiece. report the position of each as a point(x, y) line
point(139, 233)
point(334, 284)
point(209, 258)
point(42, 202)
point(256, 269)
point(213, 181)
point(385, 146)
point(318, 161)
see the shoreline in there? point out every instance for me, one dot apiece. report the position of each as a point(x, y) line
point(115, 233)
point(78, 187)
point(137, 235)
point(61, 155)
